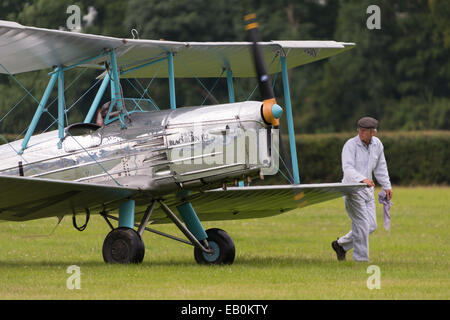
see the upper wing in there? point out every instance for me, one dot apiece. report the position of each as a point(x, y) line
point(24, 49)
point(258, 201)
point(24, 198)
point(209, 59)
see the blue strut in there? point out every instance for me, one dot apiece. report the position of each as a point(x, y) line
point(98, 98)
point(230, 86)
point(116, 92)
point(61, 107)
point(191, 220)
point(173, 102)
point(290, 120)
point(39, 111)
point(126, 214)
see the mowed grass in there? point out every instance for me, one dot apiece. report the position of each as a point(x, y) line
point(284, 257)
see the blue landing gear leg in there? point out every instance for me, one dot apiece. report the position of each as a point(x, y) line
point(211, 247)
point(218, 241)
point(124, 244)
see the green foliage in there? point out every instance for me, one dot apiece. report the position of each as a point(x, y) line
point(414, 158)
point(390, 73)
point(399, 74)
point(413, 113)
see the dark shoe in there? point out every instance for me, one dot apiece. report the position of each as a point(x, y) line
point(340, 252)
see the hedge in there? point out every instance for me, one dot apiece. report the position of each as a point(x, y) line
point(414, 158)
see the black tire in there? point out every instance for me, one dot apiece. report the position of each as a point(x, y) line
point(123, 245)
point(224, 249)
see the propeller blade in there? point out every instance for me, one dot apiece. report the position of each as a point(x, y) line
point(264, 82)
point(270, 111)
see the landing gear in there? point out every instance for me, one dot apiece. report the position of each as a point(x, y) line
point(223, 250)
point(123, 245)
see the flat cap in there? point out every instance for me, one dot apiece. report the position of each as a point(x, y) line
point(368, 123)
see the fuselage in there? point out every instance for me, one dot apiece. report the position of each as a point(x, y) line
point(159, 151)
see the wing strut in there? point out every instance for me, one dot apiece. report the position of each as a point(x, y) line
point(173, 102)
point(290, 120)
point(40, 110)
point(230, 86)
point(116, 91)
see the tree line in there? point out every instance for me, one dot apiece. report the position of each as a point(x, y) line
point(399, 74)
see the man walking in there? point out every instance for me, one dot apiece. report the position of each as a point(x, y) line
point(362, 155)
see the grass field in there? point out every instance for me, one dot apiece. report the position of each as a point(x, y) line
point(283, 257)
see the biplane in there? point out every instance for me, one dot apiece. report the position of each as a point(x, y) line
point(180, 165)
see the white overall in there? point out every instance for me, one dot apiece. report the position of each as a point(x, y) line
point(358, 163)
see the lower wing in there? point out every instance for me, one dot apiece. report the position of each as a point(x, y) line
point(259, 201)
point(24, 198)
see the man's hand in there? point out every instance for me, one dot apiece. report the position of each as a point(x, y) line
point(369, 182)
point(388, 193)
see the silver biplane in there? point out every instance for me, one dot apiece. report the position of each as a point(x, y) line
point(145, 168)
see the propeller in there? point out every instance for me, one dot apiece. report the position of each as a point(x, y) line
point(271, 112)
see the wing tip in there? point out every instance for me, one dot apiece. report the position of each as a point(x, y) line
point(11, 24)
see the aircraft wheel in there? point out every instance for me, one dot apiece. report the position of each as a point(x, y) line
point(223, 246)
point(123, 245)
